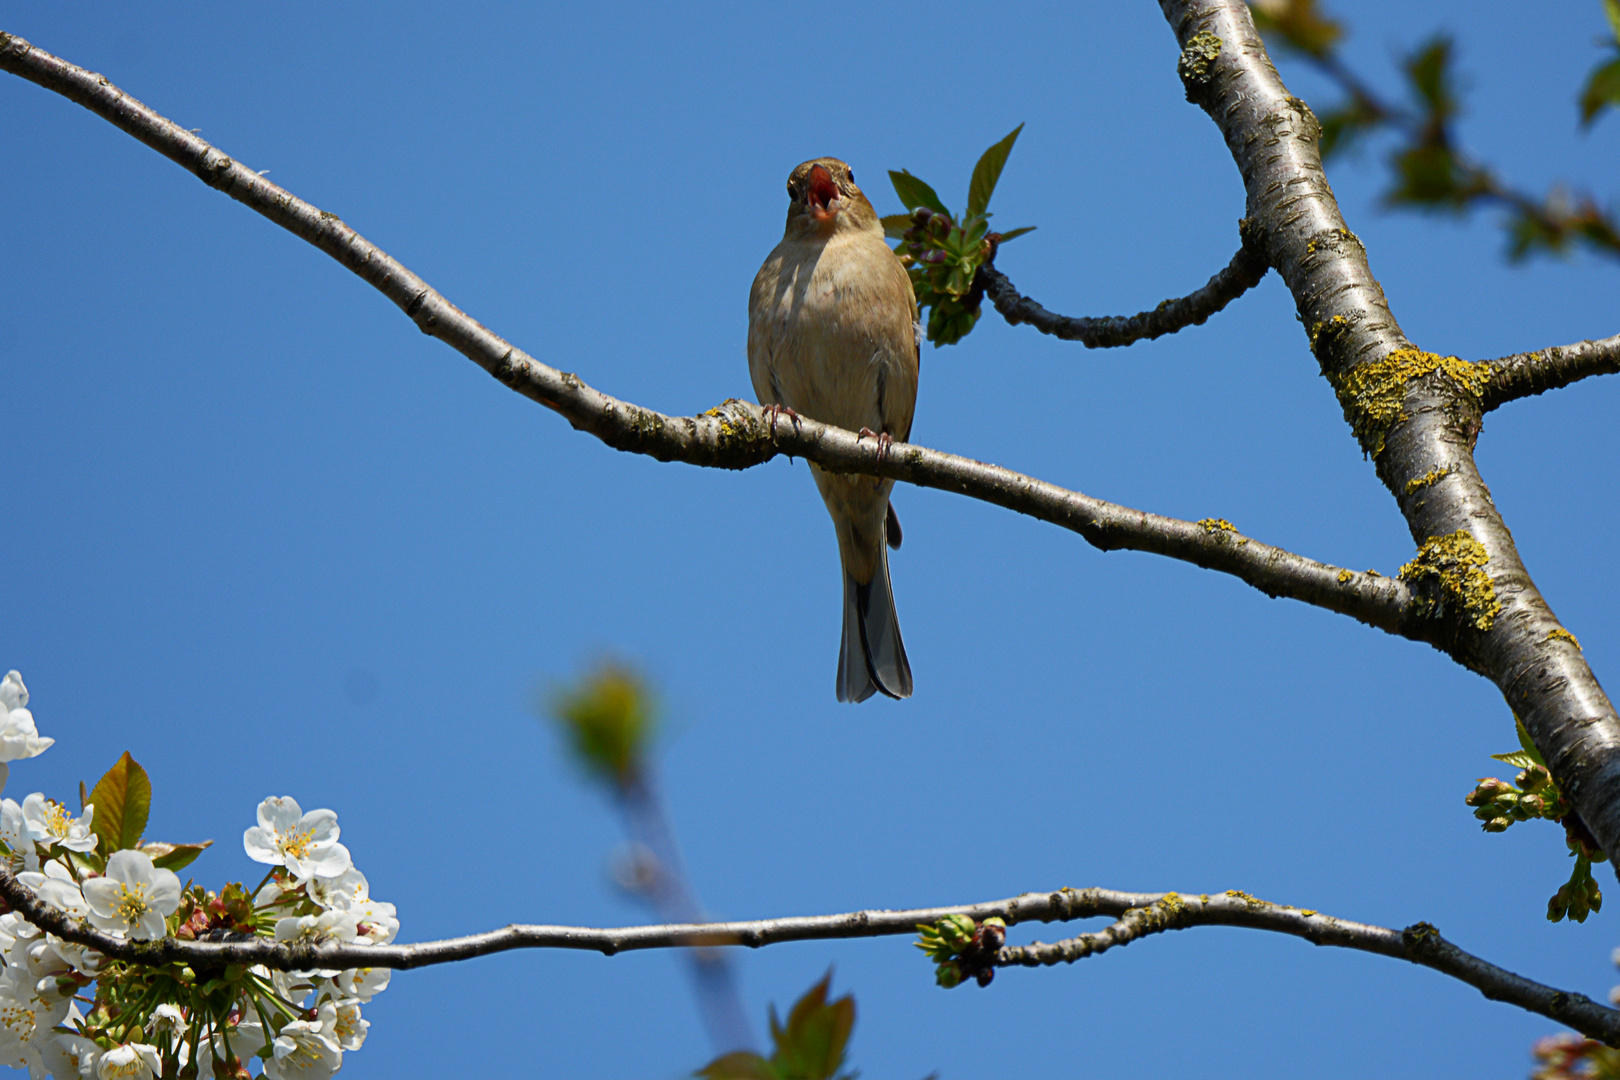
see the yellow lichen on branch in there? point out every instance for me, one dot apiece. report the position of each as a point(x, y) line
point(1374, 394)
point(1455, 566)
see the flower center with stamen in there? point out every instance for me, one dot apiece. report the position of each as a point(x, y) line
point(57, 819)
point(295, 844)
point(132, 903)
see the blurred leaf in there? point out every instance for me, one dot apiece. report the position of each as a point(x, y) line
point(1611, 8)
point(174, 856)
point(122, 799)
point(811, 1046)
point(1429, 175)
point(895, 225)
point(1297, 24)
point(988, 171)
point(914, 193)
point(1602, 90)
point(608, 718)
point(1013, 234)
point(1428, 70)
point(1343, 126)
point(738, 1065)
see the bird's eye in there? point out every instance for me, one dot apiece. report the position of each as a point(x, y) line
point(851, 174)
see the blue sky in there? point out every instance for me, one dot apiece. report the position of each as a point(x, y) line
point(269, 538)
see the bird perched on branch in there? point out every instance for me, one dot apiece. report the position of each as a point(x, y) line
point(832, 335)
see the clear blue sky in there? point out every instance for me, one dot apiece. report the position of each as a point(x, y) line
point(242, 491)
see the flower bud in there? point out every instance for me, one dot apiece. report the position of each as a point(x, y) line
point(993, 935)
point(921, 215)
point(1533, 804)
point(1498, 824)
point(948, 975)
point(985, 975)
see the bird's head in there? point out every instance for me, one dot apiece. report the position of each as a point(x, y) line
point(823, 199)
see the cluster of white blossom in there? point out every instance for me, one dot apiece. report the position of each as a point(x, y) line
point(150, 1022)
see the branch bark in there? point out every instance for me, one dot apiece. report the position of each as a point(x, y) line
point(1138, 915)
point(1243, 273)
point(1417, 413)
point(735, 435)
point(1529, 373)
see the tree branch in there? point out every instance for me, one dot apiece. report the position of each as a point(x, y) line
point(1526, 374)
point(1138, 914)
point(1243, 273)
point(736, 434)
point(1417, 413)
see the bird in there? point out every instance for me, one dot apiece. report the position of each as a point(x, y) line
point(833, 336)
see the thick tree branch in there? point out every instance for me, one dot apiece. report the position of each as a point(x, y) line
point(1138, 914)
point(1243, 273)
point(735, 435)
point(1526, 374)
point(1417, 413)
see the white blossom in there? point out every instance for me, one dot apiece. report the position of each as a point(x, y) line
point(68, 1056)
point(362, 984)
point(304, 1051)
point(304, 843)
point(135, 897)
point(18, 737)
point(50, 823)
point(129, 1061)
point(345, 1023)
point(14, 832)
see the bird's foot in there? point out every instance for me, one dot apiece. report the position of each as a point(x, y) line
point(775, 412)
point(884, 440)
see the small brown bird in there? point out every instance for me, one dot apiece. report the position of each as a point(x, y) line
point(832, 335)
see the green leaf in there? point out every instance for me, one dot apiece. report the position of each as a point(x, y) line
point(1428, 71)
point(988, 171)
point(122, 799)
point(1602, 90)
point(1011, 234)
point(1611, 8)
point(738, 1065)
point(914, 193)
point(1298, 24)
point(174, 856)
point(1527, 743)
point(811, 1045)
point(1518, 758)
point(609, 717)
point(897, 225)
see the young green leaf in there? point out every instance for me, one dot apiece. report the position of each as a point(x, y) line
point(1518, 758)
point(174, 856)
point(988, 171)
point(811, 1046)
point(896, 225)
point(122, 799)
point(1527, 743)
point(914, 193)
point(1013, 234)
point(1602, 91)
point(1611, 8)
point(738, 1065)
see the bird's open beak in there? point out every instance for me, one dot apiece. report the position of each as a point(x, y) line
point(823, 195)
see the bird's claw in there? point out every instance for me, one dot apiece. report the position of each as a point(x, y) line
point(884, 440)
point(773, 412)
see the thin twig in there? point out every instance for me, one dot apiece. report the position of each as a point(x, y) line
point(1245, 270)
point(1139, 915)
point(736, 434)
point(1529, 373)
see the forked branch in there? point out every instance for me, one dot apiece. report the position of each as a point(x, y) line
point(1137, 914)
point(735, 435)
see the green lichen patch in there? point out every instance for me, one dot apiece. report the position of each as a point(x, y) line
point(1560, 634)
point(1197, 60)
point(1345, 576)
point(1449, 572)
point(1417, 483)
point(1374, 394)
point(1335, 238)
point(1212, 525)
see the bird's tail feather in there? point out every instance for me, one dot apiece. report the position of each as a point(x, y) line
point(871, 657)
